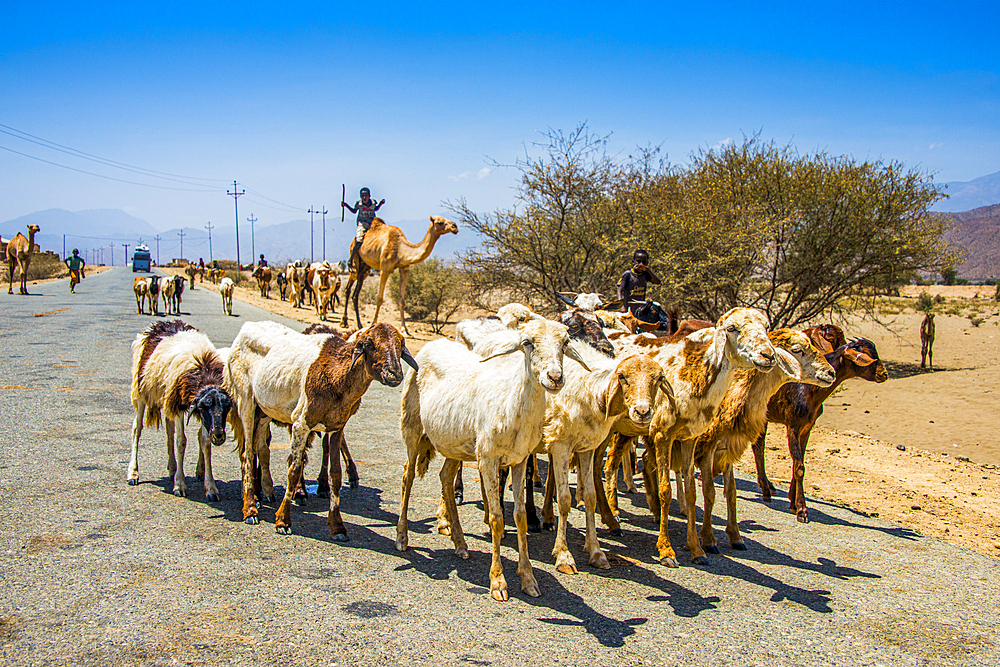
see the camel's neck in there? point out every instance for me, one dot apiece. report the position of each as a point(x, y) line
point(31, 239)
point(414, 254)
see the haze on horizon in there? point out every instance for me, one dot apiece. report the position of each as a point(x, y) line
point(417, 102)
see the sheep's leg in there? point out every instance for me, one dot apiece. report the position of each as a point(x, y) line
point(168, 426)
point(607, 516)
point(352, 470)
point(665, 552)
point(536, 477)
point(628, 468)
point(459, 485)
point(199, 470)
point(180, 486)
point(732, 522)
point(766, 488)
point(529, 493)
point(448, 470)
point(336, 523)
point(300, 438)
point(323, 479)
point(133, 464)
point(529, 585)
point(262, 437)
point(205, 452)
point(650, 480)
point(489, 473)
point(691, 490)
point(797, 501)
point(409, 472)
point(249, 463)
point(707, 467)
point(559, 469)
point(619, 443)
point(444, 521)
point(548, 519)
point(586, 481)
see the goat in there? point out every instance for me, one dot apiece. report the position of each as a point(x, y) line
point(927, 341)
point(300, 283)
point(154, 295)
point(226, 288)
point(178, 291)
point(313, 382)
point(741, 418)
point(485, 409)
point(140, 288)
point(324, 286)
point(263, 276)
point(798, 406)
point(176, 371)
point(167, 292)
point(700, 369)
point(282, 282)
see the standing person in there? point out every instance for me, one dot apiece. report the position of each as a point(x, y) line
point(75, 265)
point(262, 262)
point(366, 209)
point(632, 286)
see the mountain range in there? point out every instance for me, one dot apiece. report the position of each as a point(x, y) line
point(978, 231)
point(968, 195)
point(111, 228)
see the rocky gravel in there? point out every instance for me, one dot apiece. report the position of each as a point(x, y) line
point(95, 572)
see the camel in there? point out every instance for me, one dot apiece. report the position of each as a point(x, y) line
point(19, 251)
point(386, 249)
point(927, 341)
point(191, 270)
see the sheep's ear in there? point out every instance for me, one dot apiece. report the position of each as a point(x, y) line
point(190, 414)
point(613, 395)
point(788, 364)
point(667, 388)
point(359, 352)
point(574, 354)
point(507, 349)
point(408, 358)
point(859, 358)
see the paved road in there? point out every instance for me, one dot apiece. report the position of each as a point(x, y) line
point(95, 572)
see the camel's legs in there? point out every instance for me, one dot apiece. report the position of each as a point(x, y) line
point(404, 275)
point(383, 280)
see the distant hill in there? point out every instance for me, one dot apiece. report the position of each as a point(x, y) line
point(978, 231)
point(974, 194)
point(279, 242)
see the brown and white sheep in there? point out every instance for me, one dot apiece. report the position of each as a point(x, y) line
point(178, 373)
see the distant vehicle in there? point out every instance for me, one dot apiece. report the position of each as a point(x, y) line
point(141, 261)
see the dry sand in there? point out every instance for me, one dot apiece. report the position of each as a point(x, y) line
point(945, 484)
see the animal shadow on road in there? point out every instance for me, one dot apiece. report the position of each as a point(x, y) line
point(905, 369)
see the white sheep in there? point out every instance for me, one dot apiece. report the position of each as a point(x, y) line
point(488, 410)
point(226, 290)
point(511, 316)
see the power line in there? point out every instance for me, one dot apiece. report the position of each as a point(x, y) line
point(157, 239)
point(210, 227)
point(324, 211)
point(236, 198)
point(311, 235)
point(181, 234)
point(253, 248)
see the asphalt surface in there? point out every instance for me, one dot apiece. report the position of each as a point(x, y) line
point(95, 572)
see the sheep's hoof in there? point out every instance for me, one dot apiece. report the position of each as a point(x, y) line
point(738, 546)
point(459, 497)
point(499, 594)
point(668, 561)
point(462, 553)
point(548, 525)
point(283, 530)
point(700, 560)
point(180, 493)
point(711, 548)
point(340, 537)
point(534, 527)
point(269, 498)
point(600, 561)
point(539, 485)
point(133, 482)
point(401, 544)
point(323, 493)
point(354, 484)
point(802, 518)
point(566, 568)
point(300, 501)
point(532, 590)
point(252, 520)
point(616, 532)
point(212, 497)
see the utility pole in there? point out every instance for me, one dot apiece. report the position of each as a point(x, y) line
point(111, 251)
point(64, 247)
point(126, 254)
point(236, 197)
point(210, 227)
point(253, 248)
point(324, 212)
point(311, 211)
point(157, 239)
point(181, 234)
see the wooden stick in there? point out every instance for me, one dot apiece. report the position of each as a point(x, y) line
point(343, 193)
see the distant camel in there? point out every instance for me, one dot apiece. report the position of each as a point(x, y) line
point(386, 249)
point(19, 251)
point(927, 342)
point(191, 270)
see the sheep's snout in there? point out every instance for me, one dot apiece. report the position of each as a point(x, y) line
point(553, 379)
point(641, 414)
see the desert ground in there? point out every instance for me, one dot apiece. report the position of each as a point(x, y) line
point(920, 450)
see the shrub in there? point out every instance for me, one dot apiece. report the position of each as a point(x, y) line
point(976, 320)
point(434, 292)
point(939, 298)
point(925, 303)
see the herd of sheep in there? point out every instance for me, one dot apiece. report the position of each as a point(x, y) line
point(510, 387)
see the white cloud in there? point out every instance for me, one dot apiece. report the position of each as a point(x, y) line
point(483, 173)
point(937, 145)
point(725, 142)
point(461, 177)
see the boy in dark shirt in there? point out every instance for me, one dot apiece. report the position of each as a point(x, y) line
point(632, 286)
point(366, 209)
point(75, 265)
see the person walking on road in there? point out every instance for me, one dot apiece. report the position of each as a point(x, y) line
point(75, 265)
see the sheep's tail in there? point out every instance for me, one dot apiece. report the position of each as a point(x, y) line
point(425, 456)
point(154, 416)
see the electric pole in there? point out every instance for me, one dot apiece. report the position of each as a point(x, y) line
point(181, 234)
point(236, 197)
point(311, 211)
point(125, 263)
point(64, 247)
point(210, 227)
point(157, 239)
point(324, 212)
point(253, 249)
point(111, 251)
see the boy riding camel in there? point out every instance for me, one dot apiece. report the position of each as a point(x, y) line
point(366, 209)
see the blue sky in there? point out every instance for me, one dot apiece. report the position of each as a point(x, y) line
point(414, 101)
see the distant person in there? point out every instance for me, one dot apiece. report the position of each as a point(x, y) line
point(75, 265)
point(632, 286)
point(262, 262)
point(366, 209)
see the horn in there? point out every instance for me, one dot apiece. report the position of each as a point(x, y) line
point(359, 352)
point(574, 354)
point(614, 305)
point(565, 299)
point(408, 358)
point(512, 347)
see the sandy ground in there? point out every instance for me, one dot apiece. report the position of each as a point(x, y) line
point(945, 483)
